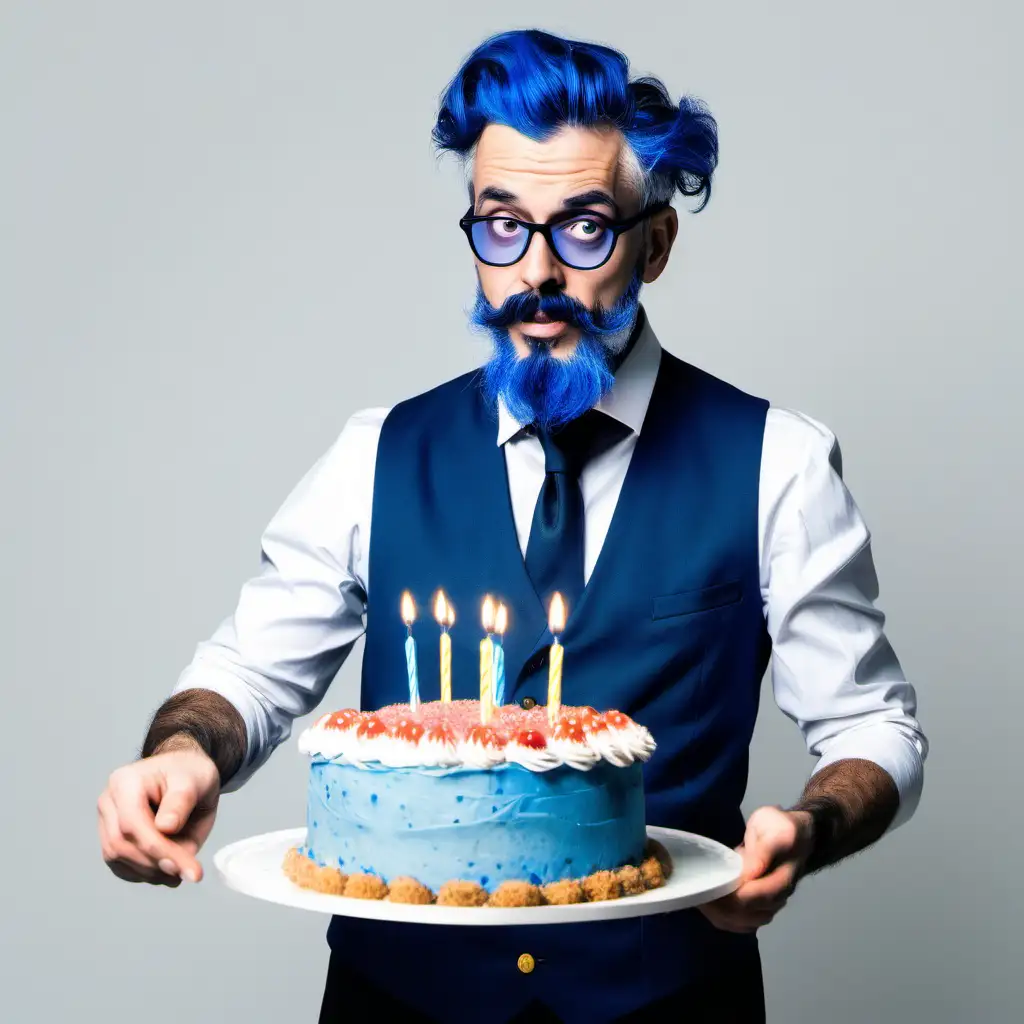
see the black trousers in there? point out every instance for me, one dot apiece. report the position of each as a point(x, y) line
point(350, 998)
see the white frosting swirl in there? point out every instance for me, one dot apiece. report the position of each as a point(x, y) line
point(621, 747)
point(639, 741)
point(433, 752)
point(581, 756)
point(393, 752)
point(476, 755)
point(611, 747)
point(531, 758)
point(330, 743)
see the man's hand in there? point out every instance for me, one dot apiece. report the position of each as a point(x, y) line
point(173, 793)
point(775, 848)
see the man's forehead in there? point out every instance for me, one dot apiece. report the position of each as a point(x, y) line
point(572, 160)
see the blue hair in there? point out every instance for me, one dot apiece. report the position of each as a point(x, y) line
point(536, 83)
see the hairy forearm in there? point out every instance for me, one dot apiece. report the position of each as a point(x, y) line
point(851, 803)
point(201, 718)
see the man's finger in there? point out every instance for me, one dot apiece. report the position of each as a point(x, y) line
point(115, 845)
point(770, 838)
point(753, 861)
point(135, 816)
point(124, 860)
point(176, 807)
point(776, 885)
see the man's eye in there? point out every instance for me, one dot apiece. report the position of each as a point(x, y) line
point(585, 230)
point(505, 228)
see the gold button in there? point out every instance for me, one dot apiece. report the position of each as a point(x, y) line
point(526, 963)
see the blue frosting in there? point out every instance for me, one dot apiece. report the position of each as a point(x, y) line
point(436, 824)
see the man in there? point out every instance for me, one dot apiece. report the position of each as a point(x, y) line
point(695, 530)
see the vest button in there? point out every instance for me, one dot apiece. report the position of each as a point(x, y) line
point(526, 703)
point(526, 963)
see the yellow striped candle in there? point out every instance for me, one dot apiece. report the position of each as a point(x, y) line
point(486, 671)
point(446, 668)
point(445, 615)
point(487, 663)
point(556, 623)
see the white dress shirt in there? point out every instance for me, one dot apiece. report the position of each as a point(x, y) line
point(833, 671)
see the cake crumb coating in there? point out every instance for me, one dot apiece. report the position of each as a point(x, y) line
point(366, 887)
point(462, 894)
point(629, 880)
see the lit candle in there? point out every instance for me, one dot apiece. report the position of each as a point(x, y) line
point(500, 625)
point(445, 615)
point(487, 662)
point(409, 617)
point(556, 623)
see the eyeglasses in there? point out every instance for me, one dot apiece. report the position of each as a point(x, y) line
point(583, 240)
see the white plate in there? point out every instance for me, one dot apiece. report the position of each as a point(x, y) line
point(702, 870)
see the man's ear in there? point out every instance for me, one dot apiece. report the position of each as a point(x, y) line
point(661, 234)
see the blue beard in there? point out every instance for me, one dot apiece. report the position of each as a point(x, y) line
point(541, 388)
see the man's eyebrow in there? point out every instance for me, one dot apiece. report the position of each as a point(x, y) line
point(499, 195)
point(594, 197)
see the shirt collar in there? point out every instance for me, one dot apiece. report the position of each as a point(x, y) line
point(630, 395)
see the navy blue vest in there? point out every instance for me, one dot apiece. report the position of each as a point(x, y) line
point(669, 629)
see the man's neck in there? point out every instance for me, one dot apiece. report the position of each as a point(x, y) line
point(638, 325)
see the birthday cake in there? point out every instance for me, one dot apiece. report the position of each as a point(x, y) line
point(429, 805)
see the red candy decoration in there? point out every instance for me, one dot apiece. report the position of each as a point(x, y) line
point(341, 720)
point(532, 739)
point(441, 733)
point(570, 727)
point(371, 726)
point(406, 729)
point(485, 736)
point(617, 720)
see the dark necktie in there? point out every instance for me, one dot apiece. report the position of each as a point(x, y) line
point(554, 554)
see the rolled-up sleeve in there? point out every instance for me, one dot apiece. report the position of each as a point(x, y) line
point(296, 621)
point(834, 672)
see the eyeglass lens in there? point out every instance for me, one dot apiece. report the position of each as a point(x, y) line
point(584, 242)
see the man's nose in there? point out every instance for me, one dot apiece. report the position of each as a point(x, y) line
point(539, 269)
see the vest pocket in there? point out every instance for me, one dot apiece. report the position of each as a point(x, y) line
point(688, 601)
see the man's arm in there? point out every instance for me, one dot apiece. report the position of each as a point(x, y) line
point(845, 807)
point(834, 673)
point(203, 719)
point(270, 662)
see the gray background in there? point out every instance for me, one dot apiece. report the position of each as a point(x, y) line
point(199, 202)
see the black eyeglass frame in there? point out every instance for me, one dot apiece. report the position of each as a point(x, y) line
point(617, 227)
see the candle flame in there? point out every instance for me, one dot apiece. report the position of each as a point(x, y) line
point(488, 614)
point(501, 620)
point(451, 614)
point(556, 614)
point(408, 609)
point(441, 609)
